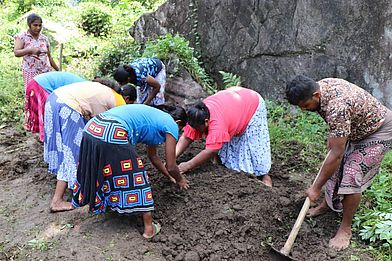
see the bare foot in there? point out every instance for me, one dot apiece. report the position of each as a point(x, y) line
point(61, 206)
point(266, 180)
point(341, 240)
point(319, 210)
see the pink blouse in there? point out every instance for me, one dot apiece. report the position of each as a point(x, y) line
point(230, 113)
point(36, 64)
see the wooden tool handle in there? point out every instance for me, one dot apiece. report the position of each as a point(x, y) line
point(300, 219)
point(294, 231)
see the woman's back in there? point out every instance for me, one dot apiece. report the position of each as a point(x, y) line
point(50, 81)
point(144, 124)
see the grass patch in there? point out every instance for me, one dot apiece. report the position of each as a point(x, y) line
point(295, 132)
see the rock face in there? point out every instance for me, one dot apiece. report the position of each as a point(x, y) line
point(267, 42)
point(183, 90)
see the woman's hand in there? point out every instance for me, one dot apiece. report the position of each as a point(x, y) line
point(183, 183)
point(184, 167)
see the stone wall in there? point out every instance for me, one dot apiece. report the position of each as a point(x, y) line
point(269, 42)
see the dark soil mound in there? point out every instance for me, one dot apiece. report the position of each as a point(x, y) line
point(225, 215)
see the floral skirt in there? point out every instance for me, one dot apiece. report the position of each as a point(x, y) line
point(63, 134)
point(250, 152)
point(35, 99)
point(360, 165)
point(110, 173)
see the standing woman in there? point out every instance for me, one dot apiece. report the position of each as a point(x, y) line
point(67, 110)
point(111, 174)
point(234, 122)
point(38, 90)
point(35, 49)
point(149, 74)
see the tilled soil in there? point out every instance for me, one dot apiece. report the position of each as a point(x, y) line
point(225, 215)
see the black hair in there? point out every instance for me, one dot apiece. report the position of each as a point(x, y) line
point(177, 112)
point(109, 83)
point(129, 90)
point(32, 17)
point(300, 89)
point(123, 72)
point(197, 114)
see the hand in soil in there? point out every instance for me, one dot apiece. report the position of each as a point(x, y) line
point(313, 193)
point(183, 167)
point(183, 183)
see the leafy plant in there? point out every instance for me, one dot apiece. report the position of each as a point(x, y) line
point(123, 50)
point(373, 221)
point(39, 244)
point(96, 22)
point(165, 46)
point(230, 79)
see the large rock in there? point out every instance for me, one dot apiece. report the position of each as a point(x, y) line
point(183, 90)
point(269, 42)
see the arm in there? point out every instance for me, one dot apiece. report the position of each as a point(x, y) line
point(156, 161)
point(199, 159)
point(337, 147)
point(182, 145)
point(52, 63)
point(19, 51)
point(156, 86)
point(171, 165)
point(171, 169)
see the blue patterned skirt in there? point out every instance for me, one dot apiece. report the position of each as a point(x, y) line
point(250, 152)
point(63, 134)
point(110, 173)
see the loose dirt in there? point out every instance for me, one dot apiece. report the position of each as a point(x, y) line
point(225, 215)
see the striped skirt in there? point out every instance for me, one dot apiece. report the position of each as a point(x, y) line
point(110, 173)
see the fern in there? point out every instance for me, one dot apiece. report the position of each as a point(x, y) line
point(230, 79)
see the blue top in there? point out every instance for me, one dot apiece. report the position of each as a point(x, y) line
point(50, 81)
point(144, 123)
point(144, 67)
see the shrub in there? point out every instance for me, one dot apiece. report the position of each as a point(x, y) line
point(122, 50)
point(96, 22)
point(165, 46)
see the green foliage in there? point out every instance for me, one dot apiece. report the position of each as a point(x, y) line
point(230, 79)
point(39, 244)
point(7, 36)
point(96, 22)
point(148, 4)
point(290, 130)
point(122, 50)
point(11, 89)
point(374, 219)
point(166, 46)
